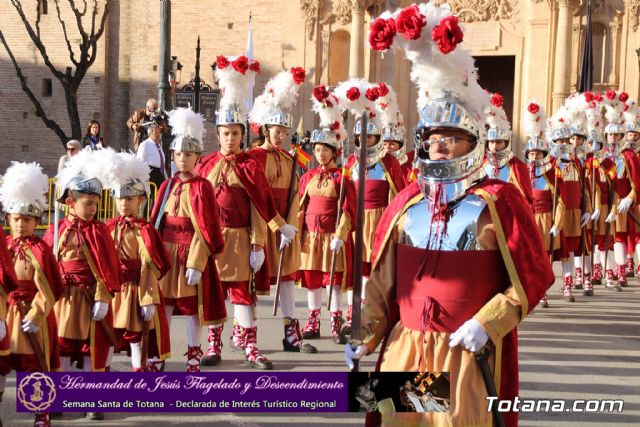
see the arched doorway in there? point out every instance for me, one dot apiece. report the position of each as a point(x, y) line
point(339, 57)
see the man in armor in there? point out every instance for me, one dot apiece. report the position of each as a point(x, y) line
point(452, 236)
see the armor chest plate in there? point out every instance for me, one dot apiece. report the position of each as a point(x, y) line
point(376, 172)
point(504, 173)
point(540, 183)
point(461, 229)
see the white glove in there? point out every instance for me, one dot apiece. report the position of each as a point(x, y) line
point(554, 231)
point(256, 259)
point(148, 311)
point(611, 217)
point(3, 330)
point(100, 310)
point(595, 215)
point(336, 244)
point(585, 219)
point(287, 233)
point(471, 335)
point(29, 326)
point(624, 205)
point(350, 354)
point(193, 276)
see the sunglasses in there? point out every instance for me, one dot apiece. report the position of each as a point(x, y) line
point(72, 149)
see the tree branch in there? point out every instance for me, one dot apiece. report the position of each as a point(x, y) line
point(36, 103)
point(38, 18)
point(79, 16)
point(36, 40)
point(66, 36)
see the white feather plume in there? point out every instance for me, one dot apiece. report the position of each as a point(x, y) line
point(185, 122)
point(595, 117)
point(81, 165)
point(614, 108)
point(388, 106)
point(24, 184)
point(234, 86)
point(330, 114)
point(496, 117)
point(535, 124)
point(126, 168)
point(632, 113)
point(362, 103)
point(576, 106)
point(280, 92)
point(436, 74)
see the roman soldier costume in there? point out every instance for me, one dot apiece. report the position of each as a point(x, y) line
point(138, 308)
point(186, 215)
point(31, 341)
point(503, 164)
point(440, 223)
point(271, 111)
point(384, 175)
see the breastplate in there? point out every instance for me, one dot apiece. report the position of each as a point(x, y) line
point(540, 183)
point(504, 172)
point(376, 172)
point(461, 228)
point(620, 167)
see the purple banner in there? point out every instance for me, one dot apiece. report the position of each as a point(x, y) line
point(182, 392)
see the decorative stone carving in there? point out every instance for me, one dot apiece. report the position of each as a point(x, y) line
point(342, 11)
point(310, 9)
point(483, 10)
point(633, 11)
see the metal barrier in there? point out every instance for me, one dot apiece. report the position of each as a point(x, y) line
point(106, 211)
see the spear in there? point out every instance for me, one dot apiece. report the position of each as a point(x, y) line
point(338, 217)
point(359, 238)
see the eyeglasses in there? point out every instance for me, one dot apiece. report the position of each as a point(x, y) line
point(72, 149)
point(444, 142)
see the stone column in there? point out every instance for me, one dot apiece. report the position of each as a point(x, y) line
point(562, 74)
point(356, 51)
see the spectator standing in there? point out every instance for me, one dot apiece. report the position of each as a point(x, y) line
point(92, 137)
point(73, 148)
point(135, 122)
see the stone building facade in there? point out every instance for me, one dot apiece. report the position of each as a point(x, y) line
point(525, 49)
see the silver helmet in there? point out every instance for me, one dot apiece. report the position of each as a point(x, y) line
point(562, 151)
point(277, 117)
point(230, 116)
point(458, 173)
point(325, 136)
point(394, 133)
point(536, 144)
point(81, 185)
point(633, 126)
point(372, 129)
point(612, 128)
point(133, 187)
point(498, 134)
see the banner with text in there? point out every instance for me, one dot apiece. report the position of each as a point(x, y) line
point(182, 392)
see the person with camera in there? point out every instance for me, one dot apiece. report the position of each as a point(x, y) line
point(136, 121)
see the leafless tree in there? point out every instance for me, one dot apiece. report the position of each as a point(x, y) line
point(82, 58)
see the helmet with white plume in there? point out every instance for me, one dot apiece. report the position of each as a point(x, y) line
point(235, 75)
point(24, 189)
point(129, 176)
point(449, 95)
point(614, 103)
point(331, 130)
point(187, 128)
point(359, 96)
point(273, 106)
point(535, 128)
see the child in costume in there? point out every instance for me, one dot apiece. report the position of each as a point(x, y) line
point(271, 113)
point(88, 263)
point(31, 323)
point(138, 308)
point(326, 195)
point(186, 214)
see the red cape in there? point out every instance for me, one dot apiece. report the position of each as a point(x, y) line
point(7, 272)
point(44, 255)
point(407, 168)
point(152, 241)
point(205, 209)
point(533, 274)
point(633, 162)
point(348, 208)
point(521, 173)
point(252, 176)
point(391, 166)
point(101, 248)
